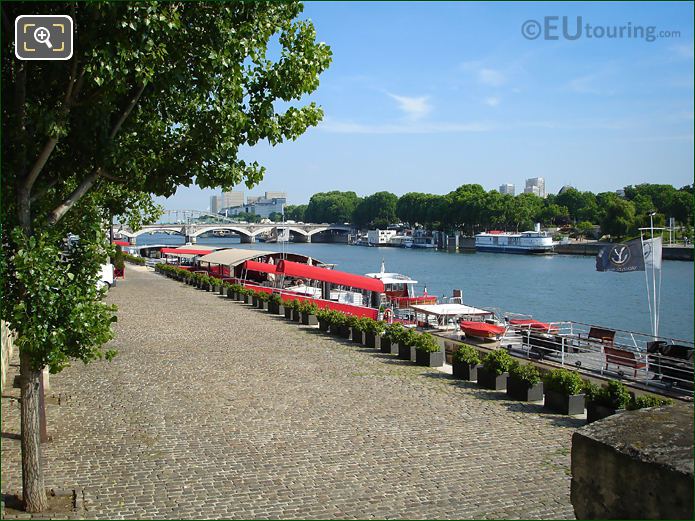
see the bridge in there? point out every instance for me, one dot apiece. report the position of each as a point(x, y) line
point(191, 224)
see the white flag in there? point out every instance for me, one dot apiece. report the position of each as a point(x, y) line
point(652, 252)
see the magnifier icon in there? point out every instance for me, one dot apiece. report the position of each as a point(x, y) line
point(42, 35)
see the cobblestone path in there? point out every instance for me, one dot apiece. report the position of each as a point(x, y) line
point(216, 410)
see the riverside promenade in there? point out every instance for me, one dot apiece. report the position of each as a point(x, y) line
point(216, 410)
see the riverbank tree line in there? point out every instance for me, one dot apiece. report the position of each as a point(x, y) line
point(471, 209)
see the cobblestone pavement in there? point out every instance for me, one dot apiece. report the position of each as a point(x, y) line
point(216, 410)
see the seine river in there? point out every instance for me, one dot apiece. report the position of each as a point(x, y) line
point(551, 288)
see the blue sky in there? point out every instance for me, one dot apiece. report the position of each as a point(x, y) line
point(426, 96)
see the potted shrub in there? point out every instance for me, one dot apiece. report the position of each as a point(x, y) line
point(374, 329)
point(524, 383)
point(563, 391)
point(494, 371)
point(648, 400)
point(308, 312)
point(339, 325)
point(356, 327)
point(262, 302)
point(392, 335)
point(233, 291)
point(291, 309)
point(406, 344)
point(428, 352)
point(465, 362)
point(274, 301)
point(323, 316)
point(602, 402)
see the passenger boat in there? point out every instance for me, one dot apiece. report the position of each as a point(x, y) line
point(400, 289)
point(498, 241)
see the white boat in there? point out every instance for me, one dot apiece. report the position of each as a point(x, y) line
point(497, 241)
point(399, 289)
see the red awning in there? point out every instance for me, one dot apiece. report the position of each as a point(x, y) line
point(121, 243)
point(296, 269)
point(185, 251)
point(263, 267)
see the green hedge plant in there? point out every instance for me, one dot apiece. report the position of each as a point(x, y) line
point(526, 373)
point(467, 355)
point(648, 400)
point(498, 361)
point(563, 381)
point(426, 343)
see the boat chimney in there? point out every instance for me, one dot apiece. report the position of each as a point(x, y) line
point(383, 267)
point(538, 227)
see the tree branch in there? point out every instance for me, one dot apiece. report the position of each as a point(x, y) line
point(75, 196)
point(39, 163)
point(127, 112)
point(38, 195)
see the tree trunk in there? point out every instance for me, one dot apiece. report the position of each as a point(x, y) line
point(34, 491)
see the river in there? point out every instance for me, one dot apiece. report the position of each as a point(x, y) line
point(551, 288)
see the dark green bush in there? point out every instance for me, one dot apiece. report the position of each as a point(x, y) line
point(648, 400)
point(498, 361)
point(467, 355)
point(563, 381)
point(526, 373)
point(426, 343)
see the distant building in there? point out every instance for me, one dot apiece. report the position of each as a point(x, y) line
point(507, 189)
point(565, 188)
point(215, 203)
point(620, 193)
point(535, 185)
point(259, 205)
point(380, 237)
point(230, 199)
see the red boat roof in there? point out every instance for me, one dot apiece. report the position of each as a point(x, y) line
point(122, 243)
point(185, 251)
point(481, 326)
point(296, 269)
point(263, 267)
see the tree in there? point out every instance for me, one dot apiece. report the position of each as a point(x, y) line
point(619, 217)
point(155, 96)
point(331, 207)
point(378, 210)
point(295, 213)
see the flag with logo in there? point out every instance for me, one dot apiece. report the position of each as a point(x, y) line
point(652, 252)
point(622, 257)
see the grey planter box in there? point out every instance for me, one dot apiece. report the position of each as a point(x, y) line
point(564, 404)
point(255, 301)
point(324, 325)
point(406, 352)
point(281, 309)
point(519, 390)
point(357, 336)
point(388, 347)
point(344, 332)
point(274, 308)
point(309, 319)
point(595, 412)
point(464, 371)
point(372, 340)
point(219, 290)
point(428, 359)
point(288, 313)
point(249, 300)
point(490, 380)
point(231, 294)
point(264, 305)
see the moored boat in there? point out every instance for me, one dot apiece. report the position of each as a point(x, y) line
point(498, 241)
point(483, 330)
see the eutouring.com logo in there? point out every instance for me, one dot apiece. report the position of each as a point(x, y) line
point(574, 28)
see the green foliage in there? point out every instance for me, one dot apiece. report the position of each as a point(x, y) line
point(140, 261)
point(118, 261)
point(614, 395)
point(307, 307)
point(376, 210)
point(295, 212)
point(526, 373)
point(619, 217)
point(467, 355)
point(331, 207)
point(275, 298)
point(648, 400)
point(563, 381)
point(426, 343)
point(408, 337)
point(337, 319)
point(60, 314)
point(498, 361)
point(375, 327)
point(393, 332)
point(324, 314)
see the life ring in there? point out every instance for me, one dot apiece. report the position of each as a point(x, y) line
point(388, 315)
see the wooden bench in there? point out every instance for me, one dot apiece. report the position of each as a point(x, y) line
point(604, 336)
point(623, 357)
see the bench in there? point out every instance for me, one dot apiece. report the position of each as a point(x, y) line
point(623, 357)
point(604, 336)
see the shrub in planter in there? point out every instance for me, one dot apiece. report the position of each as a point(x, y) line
point(648, 400)
point(323, 316)
point(494, 371)
point(308, 310)
point(524, 383)
point(392, 335)
point(428, 352)
point(602, 402)
point(563, 391)
point(339, 325)
point(233, 291)
point(274, 302)
point(262, 300)
point(406, 344)
point(465, 363)
point(356, 327)
point(291, 310)
point(373, 330)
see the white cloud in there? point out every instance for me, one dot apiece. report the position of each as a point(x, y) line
point(491, 77)
point(414, 108)
point(349, 127)
point(492, 101)
point(589, 84)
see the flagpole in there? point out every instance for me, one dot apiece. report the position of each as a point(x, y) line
point(656, 303)
point(646, 284)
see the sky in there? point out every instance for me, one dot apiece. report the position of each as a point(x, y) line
point(427, 96)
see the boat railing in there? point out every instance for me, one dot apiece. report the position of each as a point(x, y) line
point(662, 363)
